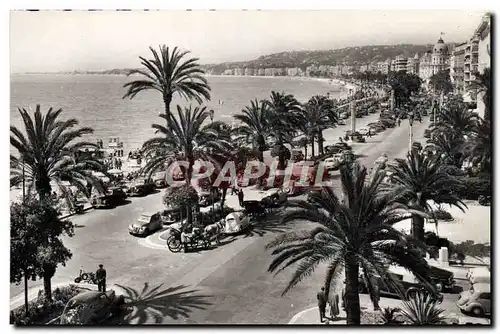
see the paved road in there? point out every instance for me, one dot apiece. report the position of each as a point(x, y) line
point(229, 284)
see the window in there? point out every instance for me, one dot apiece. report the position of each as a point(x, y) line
point(485, 295)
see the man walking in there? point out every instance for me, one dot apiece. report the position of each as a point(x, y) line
point(100, 275)
point(322, 300)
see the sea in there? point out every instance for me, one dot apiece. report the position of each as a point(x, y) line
point(97, 101)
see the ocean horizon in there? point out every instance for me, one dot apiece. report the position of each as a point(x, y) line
point(96, 100)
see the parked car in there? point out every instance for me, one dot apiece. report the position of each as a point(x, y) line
point(476, 300)
point(91, 308)
point(206, 198)
point(160, 180)
point(236, 222)
point(141, 187)
point(114, 196)
point(275, 198)
point(332, 163)
point(297, 155)
point(409, 283)
point(341, 122)
point(146, 224)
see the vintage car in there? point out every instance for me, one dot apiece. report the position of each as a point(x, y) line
point(409, 283)
point(146, 224)
point(364, 131)
point(91, 308)
point(206, 198)
point(160, 180)
point(140, 187)
point(297, 155)
point(341, 122)
point(332, 163)
point(274, 197)
point(114, 196)
point(477, 300)
point(236, 222)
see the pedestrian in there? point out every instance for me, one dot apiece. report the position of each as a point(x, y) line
point(334, 304)
point(240, 197)
point(399, 121)
point(375, 297)
point(369, 133)
point(322, 300)
point(100, 276)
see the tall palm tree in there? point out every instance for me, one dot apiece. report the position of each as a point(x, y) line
point(186, 137)
point(480, 146)
point(170, 73)
point(353, 233)
point(317, 115)
point(456, 118)
point(46, 153)
point(283, 119)
point(419, 179)
point(450, 146)
point(254, 125)
point(482, 84)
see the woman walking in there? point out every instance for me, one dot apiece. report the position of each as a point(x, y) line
point(333, 301)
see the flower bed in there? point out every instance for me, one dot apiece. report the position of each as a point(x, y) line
point(39, 311)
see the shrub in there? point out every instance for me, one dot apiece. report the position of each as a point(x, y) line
point(474, 187)
point(40, 312)
point(441, 214)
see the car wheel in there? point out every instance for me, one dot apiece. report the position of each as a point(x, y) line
point(477, 311)
point(85, 276)
point(439, 287)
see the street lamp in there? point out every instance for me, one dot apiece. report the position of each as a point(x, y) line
point(410, 120)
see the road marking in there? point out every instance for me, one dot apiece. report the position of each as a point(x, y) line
point(300, 314)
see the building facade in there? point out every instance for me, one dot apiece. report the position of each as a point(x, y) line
point(435, 61)
point(412, 65)
point(457, 67)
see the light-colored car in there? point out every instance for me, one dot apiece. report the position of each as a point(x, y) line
point(477, 300)
point(341, 122)
point(146, 224)
point(331, 163)
point(91, 308)
point(236, 222)
point(364, 131)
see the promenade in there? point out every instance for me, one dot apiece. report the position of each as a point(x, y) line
point(233, 277)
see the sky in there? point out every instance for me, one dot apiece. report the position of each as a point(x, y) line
point(51, 41)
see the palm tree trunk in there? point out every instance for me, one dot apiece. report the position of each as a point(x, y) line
point(262, 148)
point(320, 142)
point(352, 306)
point(312, 145)
point(305, 150)
point(167, 100)
point(222, 201)
point(417, 227)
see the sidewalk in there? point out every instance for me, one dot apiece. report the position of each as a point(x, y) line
point(310, 316)
point(66, 214)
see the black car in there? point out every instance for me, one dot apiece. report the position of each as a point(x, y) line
point(141, 187)
point(114, 196)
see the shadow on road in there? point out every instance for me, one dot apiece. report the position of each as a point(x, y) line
point(153, 305)
point(261, 226)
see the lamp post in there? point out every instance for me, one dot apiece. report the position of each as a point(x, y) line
point(410, 120)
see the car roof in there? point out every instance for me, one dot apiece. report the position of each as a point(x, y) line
point(85, 296)
point(148, 213)
point(482, 287)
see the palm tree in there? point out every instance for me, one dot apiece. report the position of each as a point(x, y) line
point(422, 310)
point(283, 119)
point(46, 153)
point(480, 146)
point(419, 179)
point(186, 137)
point(353, 233)
point(482, 84)
point(170, 73)
point(317, 115)
point(255, 125)
point(449, 146)
point(457, 119)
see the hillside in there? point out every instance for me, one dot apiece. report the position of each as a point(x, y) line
point(348, 56)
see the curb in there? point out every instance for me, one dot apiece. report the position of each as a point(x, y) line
point(73, 214)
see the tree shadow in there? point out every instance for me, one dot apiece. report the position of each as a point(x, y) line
point(269, 224)
point(153, 305)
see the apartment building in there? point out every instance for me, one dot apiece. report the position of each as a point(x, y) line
point(457, 67)
point(412, 65)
